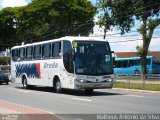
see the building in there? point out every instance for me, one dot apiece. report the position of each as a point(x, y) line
point(134, 54)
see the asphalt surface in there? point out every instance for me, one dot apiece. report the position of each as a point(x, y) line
point(79, 106)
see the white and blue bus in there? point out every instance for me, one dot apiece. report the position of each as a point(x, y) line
point(132, 65)
point(68, 62)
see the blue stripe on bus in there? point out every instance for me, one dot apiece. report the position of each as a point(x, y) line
point(31, 70)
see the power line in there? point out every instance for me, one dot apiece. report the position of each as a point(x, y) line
point(132, 40)
point(118, 33)
point(49, 32)
point(114, 42)
point(89, 20)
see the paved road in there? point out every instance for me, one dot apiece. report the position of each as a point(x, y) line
point(70, 104)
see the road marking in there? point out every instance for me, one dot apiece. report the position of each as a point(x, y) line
point(24, 91)
point(82, 99)
point(133, 95)
point(79, 119)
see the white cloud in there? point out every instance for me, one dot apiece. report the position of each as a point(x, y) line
point(12, 3)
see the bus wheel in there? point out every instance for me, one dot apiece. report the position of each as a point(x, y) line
point(57, 86)
point(7, 83)
point(25, 85)
point(88, 91)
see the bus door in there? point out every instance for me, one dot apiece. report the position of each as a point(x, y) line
point(68, 68)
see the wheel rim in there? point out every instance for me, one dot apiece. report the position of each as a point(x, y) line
point(58, 86)
point(25, 83)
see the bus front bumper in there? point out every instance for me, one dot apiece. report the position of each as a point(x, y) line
point(100, 85)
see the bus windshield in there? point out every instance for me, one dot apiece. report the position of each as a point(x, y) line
point(93, 58)
point(156, 60)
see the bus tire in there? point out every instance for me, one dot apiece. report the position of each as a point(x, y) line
point(57, 85)
point(6, 83)
point(24, 82)
point(89, 91)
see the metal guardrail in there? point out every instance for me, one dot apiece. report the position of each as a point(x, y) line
point(138, 78)
point(147, 76)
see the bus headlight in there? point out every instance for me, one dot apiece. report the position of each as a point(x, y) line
point(83, 81)
point(109, 80)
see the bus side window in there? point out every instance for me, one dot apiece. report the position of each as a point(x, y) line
point(115, 64)
point(56, 49)
point(119, 64)
point(67, 47)
point(67, 56)
point(131, 62)
point(29, 52)
point(137, 62)
point(15, 54)
point(46, 50)
point(125, 63)
point(22, 53)
point(37, 52)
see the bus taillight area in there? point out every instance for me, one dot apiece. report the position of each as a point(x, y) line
point(93, 82)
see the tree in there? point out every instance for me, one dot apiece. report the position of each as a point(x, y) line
point(43, 20)
point(123, 14)
point(8, 27)
point(56, 18)
point(4, 60)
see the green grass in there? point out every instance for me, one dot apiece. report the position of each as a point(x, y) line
point(138, 86)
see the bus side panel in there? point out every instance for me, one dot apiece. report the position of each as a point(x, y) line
point(52, 68)
point(14, 77)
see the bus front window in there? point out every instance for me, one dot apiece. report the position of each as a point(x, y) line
point(93, 58)
point(156, 60)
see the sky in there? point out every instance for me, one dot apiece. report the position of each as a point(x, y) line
point(13, 3)
point(116, 40)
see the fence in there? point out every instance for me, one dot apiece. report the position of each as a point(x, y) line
point(148, 81)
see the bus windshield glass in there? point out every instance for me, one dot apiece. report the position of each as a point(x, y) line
point(156, 60)
point(92, 58)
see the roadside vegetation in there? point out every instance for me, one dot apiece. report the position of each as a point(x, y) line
point(4, 60)
point(124, 14)
point(138, 86)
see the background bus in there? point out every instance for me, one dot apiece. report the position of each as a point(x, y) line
point(68, 62)
point(133, 65)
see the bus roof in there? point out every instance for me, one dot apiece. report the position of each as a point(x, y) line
point(131, 58)
point(69, 38)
